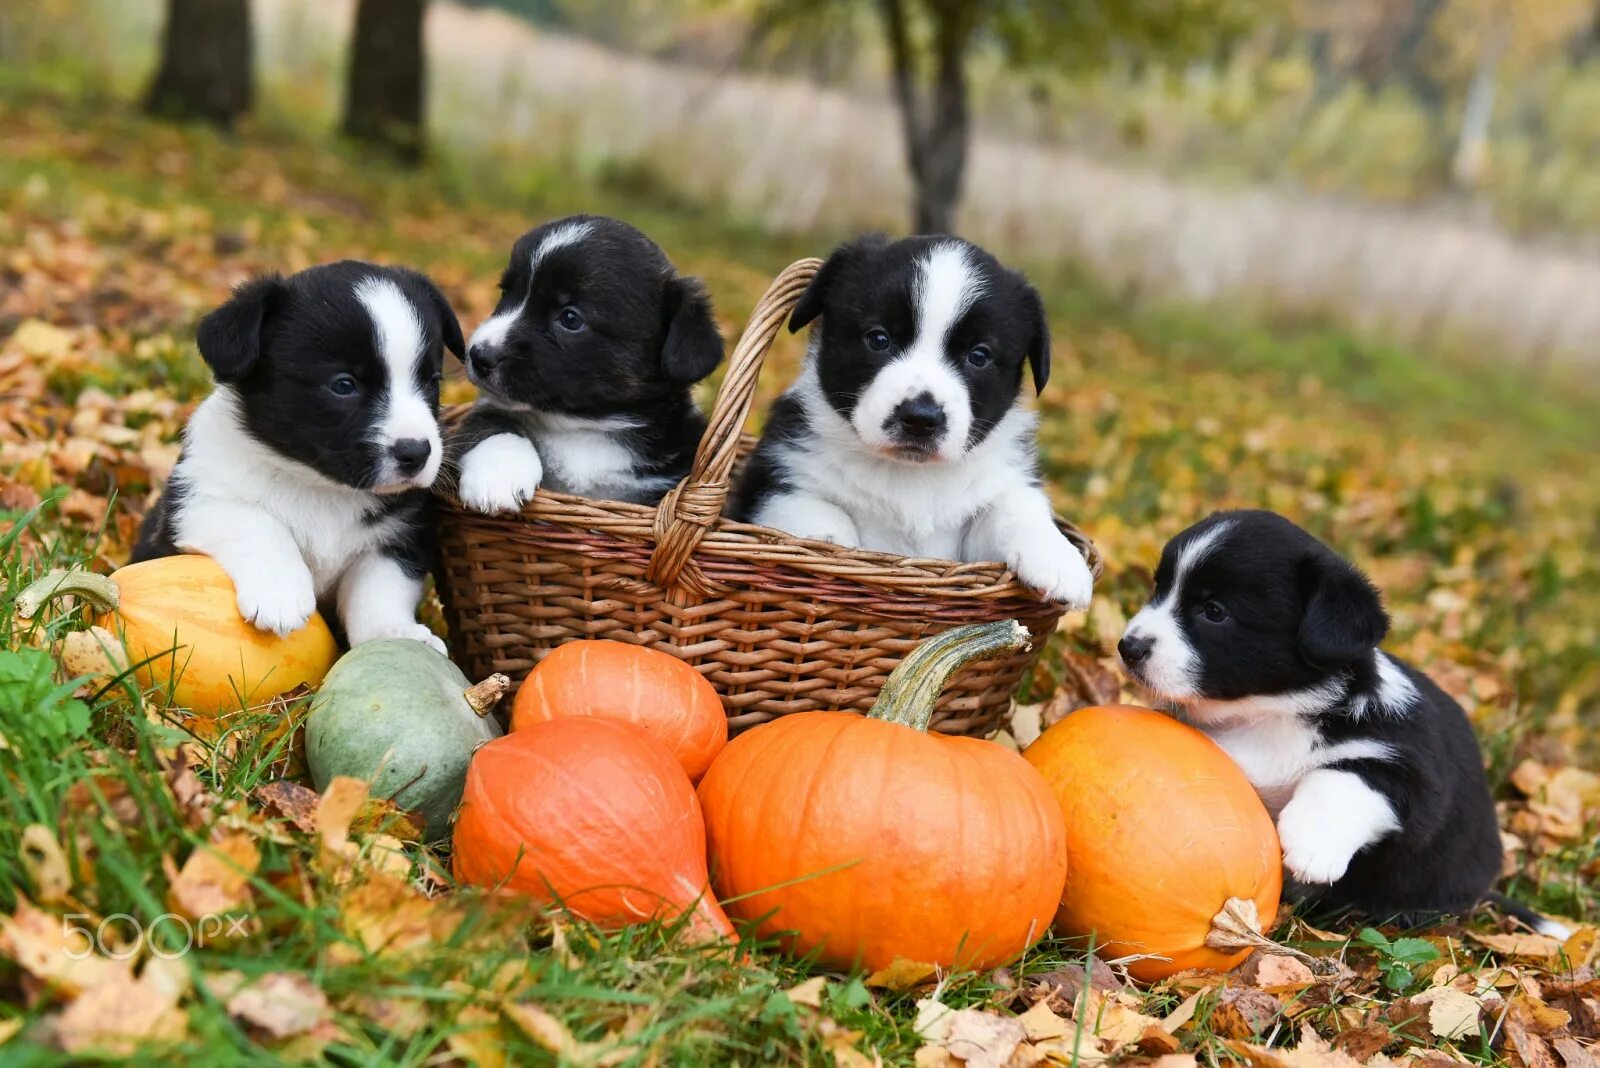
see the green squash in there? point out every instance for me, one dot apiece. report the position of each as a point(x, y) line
point(400, 715)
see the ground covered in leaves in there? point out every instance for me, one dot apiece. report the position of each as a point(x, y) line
point(172, 886)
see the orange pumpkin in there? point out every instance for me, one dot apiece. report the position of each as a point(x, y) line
point(591, 814)
point(655, 690)
point(179, 619)
point(1163, 829)
point(863, 838)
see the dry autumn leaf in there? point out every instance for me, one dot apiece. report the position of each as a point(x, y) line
point(280, 1004)
point(215, 880)
point(902, 974)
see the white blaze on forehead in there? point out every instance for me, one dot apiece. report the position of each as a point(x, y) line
point(493, 330)
point(1171, 668)
point(947, 284)
point(406, 412)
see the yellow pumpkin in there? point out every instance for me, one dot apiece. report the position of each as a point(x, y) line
point(179, 621)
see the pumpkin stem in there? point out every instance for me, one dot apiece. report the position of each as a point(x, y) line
point(96, 589)
point(485, 695)
point(1238, 926)
point(909, 693)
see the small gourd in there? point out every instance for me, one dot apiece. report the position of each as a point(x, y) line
point(400, 715)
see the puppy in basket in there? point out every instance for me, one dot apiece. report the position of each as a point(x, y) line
point(905, 432)
point(305, 473)
point(584, 371)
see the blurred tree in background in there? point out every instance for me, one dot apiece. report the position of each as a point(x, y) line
point(386, 78)
point(207, 62)
point(931, 44)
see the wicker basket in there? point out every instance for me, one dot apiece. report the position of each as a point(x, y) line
point(778, 624)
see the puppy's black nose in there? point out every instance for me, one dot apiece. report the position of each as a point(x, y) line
point(484, 358)
point(410, 454)
point(919, 417)
point(1134, 648)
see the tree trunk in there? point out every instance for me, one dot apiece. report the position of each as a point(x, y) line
point(207, 57)
point(936, 130)
point(1471, 164)
point(384, 93)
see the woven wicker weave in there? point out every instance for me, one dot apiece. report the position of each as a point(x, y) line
point(778, 624)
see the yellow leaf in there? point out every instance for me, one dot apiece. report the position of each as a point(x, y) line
point(56, 949)
point(341, 801)
point(1040, 1023)
point(1531, 946)
point(902, 974)
point(46, 864)
point(808, 993)
point(122, 1014)
point(215, 880)
point(282, 1004)
point(1452, 1013)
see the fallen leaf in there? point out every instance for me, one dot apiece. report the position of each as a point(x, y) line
point(215, 880)
point(476, 1038)
point(46, 864)
point(1452, 1013)
point(902, 974)
point(1526, 945)
point(1183, 1013)
point(933, 1021)
point(1114, 1021)
point(120, 1016)
point(289, 801)
point(1364, 1043)
point(808, 993)
point(280, 1004)
point(552, 1034)
point(934, 1057)
point(1040, 1023)
point(341, 800)
point(56, 950)
point(1244, 1012)
point(1277, 974)
point(983, 1039)
point(1574, 1055)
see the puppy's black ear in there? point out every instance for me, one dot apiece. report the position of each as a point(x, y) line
point(693, 346)
point(448, 323)
point(1344, 618)
point(809, 306)
point(1039, 347)
point(230, 337)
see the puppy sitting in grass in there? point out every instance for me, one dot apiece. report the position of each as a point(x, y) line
point(1267, 640)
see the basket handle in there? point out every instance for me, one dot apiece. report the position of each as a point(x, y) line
point(689, 509)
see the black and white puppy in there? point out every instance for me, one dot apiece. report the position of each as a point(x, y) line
point(1267, 640)
point(584, 371)
point(305, 473)
point(905, 432)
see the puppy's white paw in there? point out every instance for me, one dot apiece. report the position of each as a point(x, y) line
point(280, 600)
point(500, 474)
point(416, 632)
point(1313, 852)
point(839, 532)
point(1057, 571)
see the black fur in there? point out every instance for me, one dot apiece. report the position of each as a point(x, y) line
point(1269, 609)
point(604, 328)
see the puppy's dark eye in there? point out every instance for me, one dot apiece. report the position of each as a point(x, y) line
point(877, 340)
point(570, 319)
point(343, 386)
point(980, 356)
point(1214, 612)
point(435, 378)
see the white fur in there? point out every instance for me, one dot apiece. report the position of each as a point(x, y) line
point(377, 599)
point(1332, 816)
point(500, 474)
point(407, 413)
point(980, 507)
point(946, 285)
point(584, 456)
point(1171, 667)
point(1396, 692)
point(492, 331)
point(283, 532)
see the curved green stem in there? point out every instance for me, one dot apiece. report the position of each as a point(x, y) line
point(910, 691)
point(98, 590)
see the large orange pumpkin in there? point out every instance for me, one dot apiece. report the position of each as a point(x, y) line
point(179, 619)
point(592, 814)
point(863, 838)
point(647, 687)
point(1163, 829)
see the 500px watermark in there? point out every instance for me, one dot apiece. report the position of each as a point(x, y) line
point(120, 935)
